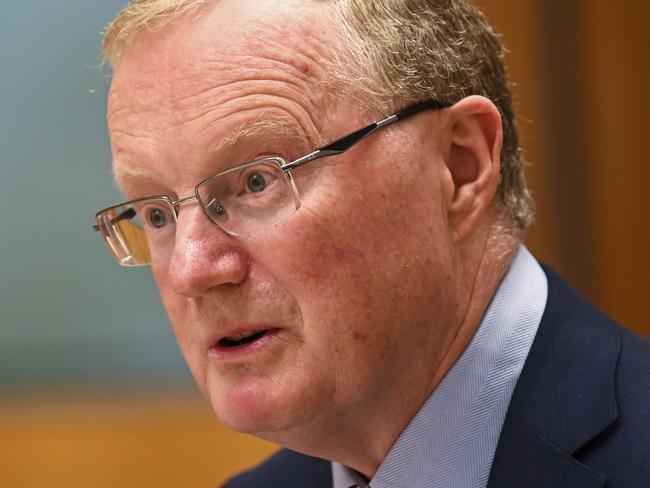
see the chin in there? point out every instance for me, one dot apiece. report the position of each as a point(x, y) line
point(253, 407)
point(246, 414)
point(267, 407)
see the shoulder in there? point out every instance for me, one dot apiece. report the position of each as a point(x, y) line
point(594, 345)
point(580, 412)
point(625, 445)
point(594, 338)
point(286, 469)
point(576, 321)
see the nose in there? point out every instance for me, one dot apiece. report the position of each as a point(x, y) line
point(204, 256)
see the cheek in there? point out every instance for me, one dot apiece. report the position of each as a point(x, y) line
point(177, 308)
point(367, 259)
point(173, 302)
point(356, 277)
point(363, 237)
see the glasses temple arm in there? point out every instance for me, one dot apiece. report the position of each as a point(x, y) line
point(346, 142)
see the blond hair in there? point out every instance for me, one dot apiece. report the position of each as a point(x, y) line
point(139, 15)
point(396, 52)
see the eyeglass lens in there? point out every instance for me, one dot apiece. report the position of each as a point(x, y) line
point(248, 198)
point(241, 200)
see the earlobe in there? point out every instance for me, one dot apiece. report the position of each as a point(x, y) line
point(473, 162)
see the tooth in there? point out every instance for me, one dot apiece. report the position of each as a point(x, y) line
point(243, 335)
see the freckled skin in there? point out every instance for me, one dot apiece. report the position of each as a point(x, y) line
point(361, 281)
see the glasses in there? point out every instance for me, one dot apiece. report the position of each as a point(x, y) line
point(243, 199)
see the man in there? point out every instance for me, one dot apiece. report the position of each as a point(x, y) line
point(366, 304)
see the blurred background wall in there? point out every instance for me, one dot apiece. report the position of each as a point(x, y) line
point(93, 391)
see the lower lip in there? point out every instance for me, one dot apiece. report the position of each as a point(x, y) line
point(222, 352)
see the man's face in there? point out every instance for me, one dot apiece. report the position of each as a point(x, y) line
point(353, 290)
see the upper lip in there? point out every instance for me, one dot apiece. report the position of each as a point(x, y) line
point(215, 338)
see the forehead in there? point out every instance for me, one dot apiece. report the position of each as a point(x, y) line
point(213, 70)
point(222, 42)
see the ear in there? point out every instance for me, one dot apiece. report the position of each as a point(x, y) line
point(473, 161)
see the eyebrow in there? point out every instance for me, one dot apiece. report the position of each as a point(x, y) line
point(124, 175)
point(279, 128)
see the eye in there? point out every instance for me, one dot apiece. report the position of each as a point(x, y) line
point(256, 182)
point(216, 210)
point(156, 218)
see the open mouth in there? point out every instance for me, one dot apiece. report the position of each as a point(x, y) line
point(242, 339)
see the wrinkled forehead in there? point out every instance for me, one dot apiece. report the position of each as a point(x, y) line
point(223, 41)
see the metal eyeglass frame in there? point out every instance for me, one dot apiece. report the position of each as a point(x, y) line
point(336, 147)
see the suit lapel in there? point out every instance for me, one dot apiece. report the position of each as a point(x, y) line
point(526, 459)
point(564, 398)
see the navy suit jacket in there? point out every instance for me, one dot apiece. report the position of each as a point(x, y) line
point(579, 416)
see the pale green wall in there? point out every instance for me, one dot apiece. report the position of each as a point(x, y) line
point(68, 314)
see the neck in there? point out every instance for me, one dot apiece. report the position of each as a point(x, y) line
point(482, 265)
